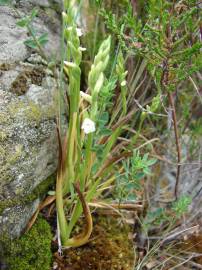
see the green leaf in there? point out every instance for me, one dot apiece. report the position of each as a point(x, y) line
point(103, 120)
point(145, 157)
point(151, 162)
point(94, 168)
point(139, 176)
point(112, 140)
point(181, 206)
point(105, 132)
point(34, 13)
point(32, 30)
point(147, 170)
point(97, 147)
point(23, 22)
point(30, 43)
point(43, 39)
point(5, 2)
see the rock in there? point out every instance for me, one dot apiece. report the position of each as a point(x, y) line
point(28, 106)
point(28, 143)
point(41, 3)
point(190, 183)
point(11, 37)
point(23, 213)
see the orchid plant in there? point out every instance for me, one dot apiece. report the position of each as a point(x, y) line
point(92, 150)
point(76, 155)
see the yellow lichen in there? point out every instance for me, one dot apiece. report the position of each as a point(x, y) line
point(15, 107)
point(34, 112)
point(4, 117)
point(3, 136)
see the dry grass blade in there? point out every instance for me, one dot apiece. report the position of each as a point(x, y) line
point(180, 234)
point(49, 200)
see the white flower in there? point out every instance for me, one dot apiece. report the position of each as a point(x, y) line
point(82, 49)
point(79, 32)
point(123, 83)
point(88, 126)
point(69, 28)
point(69, 64)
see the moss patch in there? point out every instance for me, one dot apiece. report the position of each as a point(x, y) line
point(4, 67)
point(108, 249)
point(25, 78)
point(33, 250)
point(39, 191)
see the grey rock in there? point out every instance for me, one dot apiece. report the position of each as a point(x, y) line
point(15, 225)
point(190, 181)
point(28, 105)
point(28, 145)
point(41, 3)
point(11, 37)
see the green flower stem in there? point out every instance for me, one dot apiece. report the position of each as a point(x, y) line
point(60, 209)
point(74, 171)
point(86, 169)
point(72, 148)
point(65, 183)
point(78, 208)
point(110, 144)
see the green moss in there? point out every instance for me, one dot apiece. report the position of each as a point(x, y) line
point(33, 250)
point(21, 84)
point(108, 249)
point(39, 191)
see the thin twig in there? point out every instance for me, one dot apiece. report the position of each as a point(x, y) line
point(165, 83)
point(180, 233)
point(123, 206)
point(177, 141)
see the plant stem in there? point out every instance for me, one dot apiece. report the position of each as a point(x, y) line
point(165, 81)
point(60, 208)
point(83, 237)
point(170, 97)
